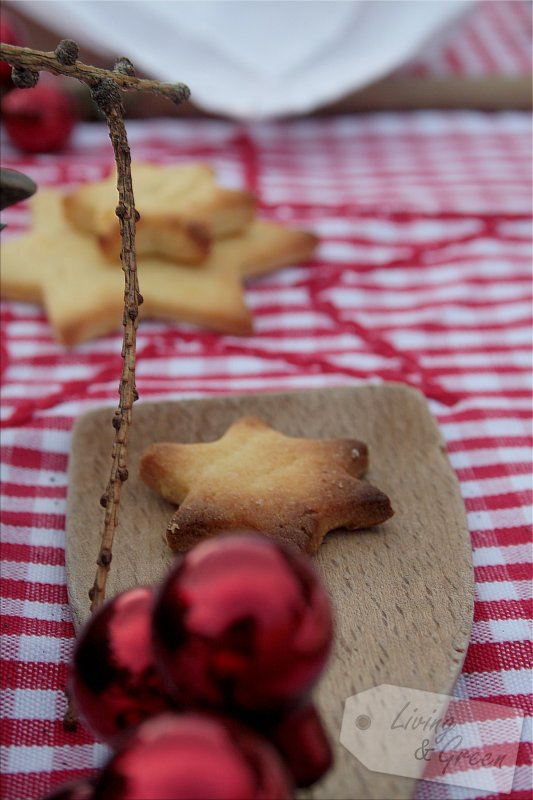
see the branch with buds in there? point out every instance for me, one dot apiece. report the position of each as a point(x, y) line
point(106, 87)
point(27, 64)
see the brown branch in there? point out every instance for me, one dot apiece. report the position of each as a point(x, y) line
point(107, 97)
point(105, 85)
point(63, 61)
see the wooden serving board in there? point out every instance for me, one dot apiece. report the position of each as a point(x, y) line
point(402, 593)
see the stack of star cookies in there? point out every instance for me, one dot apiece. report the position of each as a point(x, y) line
point(196, 243)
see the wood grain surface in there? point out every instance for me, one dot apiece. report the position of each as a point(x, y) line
point(402, 593)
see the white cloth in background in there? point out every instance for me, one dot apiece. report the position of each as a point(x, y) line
point(254, 60)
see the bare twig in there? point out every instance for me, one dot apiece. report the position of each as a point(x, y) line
point(105, 85)
point(63, 61)
point(107, 97)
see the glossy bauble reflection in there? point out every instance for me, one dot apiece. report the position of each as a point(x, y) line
point(115, 684)
point(194, 757)
point(302, 742)
point(242, 622)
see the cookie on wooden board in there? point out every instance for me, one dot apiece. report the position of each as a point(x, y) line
point(255, 478)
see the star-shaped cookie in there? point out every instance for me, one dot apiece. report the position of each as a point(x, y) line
point(255, 478)
point(182, 210)
point(62, 267)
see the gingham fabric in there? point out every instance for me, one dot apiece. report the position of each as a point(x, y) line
point(423, 275)
point(494, 38)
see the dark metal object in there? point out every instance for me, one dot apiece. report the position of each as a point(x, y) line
point(14, 187)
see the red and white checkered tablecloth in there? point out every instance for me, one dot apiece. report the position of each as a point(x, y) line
point(423, 275)
point(493, 38)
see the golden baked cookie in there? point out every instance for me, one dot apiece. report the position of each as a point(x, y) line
point(63, 268)
point(182, 210)
point(255, 478)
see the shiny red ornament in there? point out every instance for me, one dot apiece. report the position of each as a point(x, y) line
point(242, 623)
point(194, 757)
point(302, 742)
point(8, 35)
point(115, 684)
point(39, 120)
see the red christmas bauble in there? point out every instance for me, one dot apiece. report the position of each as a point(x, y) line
point(242, 623)
point(38, 120)
point(193, 757)
point(8, 35)
point(301, 740)
point(114, 683)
